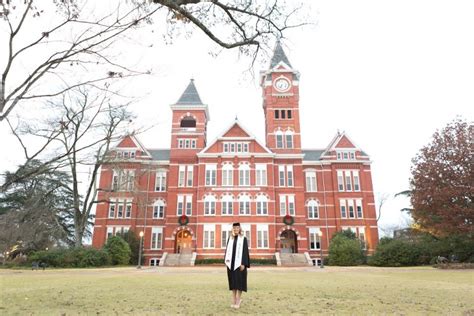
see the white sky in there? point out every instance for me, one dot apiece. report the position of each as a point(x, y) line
point(389, 73)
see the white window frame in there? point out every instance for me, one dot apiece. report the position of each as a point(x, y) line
point(289, 140)
point(355, 175)
point(313, 209)
point(209, 233)
point(188, 206)
point(291, 205)
point(244, 175)
point(281, 176)
point(244, 200)
point(128, 209)
point(180, 205)
point(210, 205)
point(227, 175)
point(311, 183)
point(211, 175)
point(262, 236)
point(227, 205)
point(283, 208)
point(112, 208)
point(279, 141)
point(110, 232)
point(189, 175)
point(343, 208)
point(340, 181)
point(314, 237)
point(120, 208)
point(159, 208)
point(182, 176)
point(261, 205)
point(261, 174)
point(247, 232)
point(348, 180)
point(160, 181)
point(350, 205)
point(226, 231)
point(290, 175)
point(156, 241)
point(359, 208)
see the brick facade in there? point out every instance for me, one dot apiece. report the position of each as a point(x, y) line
point(237, 178)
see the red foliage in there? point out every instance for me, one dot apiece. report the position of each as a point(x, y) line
point(442, 182)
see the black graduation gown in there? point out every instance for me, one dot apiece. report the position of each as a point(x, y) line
point(238, 279)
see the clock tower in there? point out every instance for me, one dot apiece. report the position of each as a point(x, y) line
point(280, 87)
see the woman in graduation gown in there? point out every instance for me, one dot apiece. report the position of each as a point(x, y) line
point(237, 261)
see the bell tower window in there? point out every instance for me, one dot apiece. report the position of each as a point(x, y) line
point(188, 122)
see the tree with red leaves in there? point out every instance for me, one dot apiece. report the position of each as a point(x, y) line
point(442, 189)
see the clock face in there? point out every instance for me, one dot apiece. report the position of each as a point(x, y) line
point(282, 84)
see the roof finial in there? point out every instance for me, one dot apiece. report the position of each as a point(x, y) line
point(236, 118)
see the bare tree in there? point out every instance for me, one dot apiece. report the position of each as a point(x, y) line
point(383, 197)
point(84, 126)
point(79, 40)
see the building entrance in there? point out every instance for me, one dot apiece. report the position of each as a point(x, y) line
point(288, 242)
point(183, 242)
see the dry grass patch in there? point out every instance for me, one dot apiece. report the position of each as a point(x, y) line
point(203, 291)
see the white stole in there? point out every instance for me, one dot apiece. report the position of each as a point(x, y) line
point(238, 253)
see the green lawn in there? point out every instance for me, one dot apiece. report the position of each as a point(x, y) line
point(203, 291)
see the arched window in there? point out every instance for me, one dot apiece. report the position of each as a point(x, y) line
point(289, 139)
point(188, 122)
point(227, 175)
point(244, 175)
point(227, 205)
point(313, 209)
point(159, 209)
point(210, 205)
point(262, 205)
point(279, 139)
point(244, 205)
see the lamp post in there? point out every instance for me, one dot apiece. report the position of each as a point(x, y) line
point(321, 248)
point(140, 251)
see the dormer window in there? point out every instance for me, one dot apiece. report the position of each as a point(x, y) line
point(345, 155)
point(125, 154)
point(235, 147)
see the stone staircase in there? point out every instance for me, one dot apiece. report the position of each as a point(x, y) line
point(294, 259)
point(180, 259)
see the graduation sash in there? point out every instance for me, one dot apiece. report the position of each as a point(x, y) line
point(238, 253)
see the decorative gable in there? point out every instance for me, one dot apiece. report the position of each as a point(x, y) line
point(235, 140)
point(127, 142)
point(344, 142)
point(236, 131)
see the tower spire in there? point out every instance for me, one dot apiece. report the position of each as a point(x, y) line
point(279, 55)
point(190, 95)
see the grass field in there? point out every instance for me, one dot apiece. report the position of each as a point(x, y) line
point(203, 291)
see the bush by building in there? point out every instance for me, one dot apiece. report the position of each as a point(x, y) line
point(118, 250)
point(71, 258)
point(345, 249)
point(133, 240)
point(423, 250)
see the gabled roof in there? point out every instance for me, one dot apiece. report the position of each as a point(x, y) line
point(346, 142)
point(136, 143)
point(160, 154)
point(190, 95)
point(312, 154)
point(235, 122)
point(279, 56)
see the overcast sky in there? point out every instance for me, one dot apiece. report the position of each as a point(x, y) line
point(389, 73)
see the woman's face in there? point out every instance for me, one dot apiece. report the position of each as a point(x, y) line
point(235, 230)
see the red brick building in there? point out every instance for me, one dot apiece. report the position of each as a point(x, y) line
point(288, 199)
